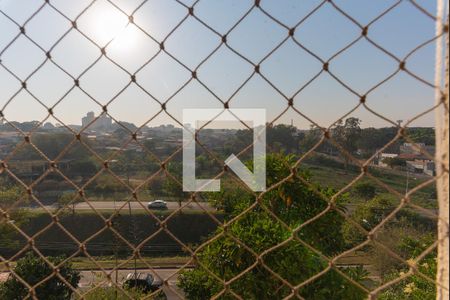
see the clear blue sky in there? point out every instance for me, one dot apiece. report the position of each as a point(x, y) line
point(289, 68)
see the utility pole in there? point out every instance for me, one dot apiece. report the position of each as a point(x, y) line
point(116, 250)
point(407, 180)
point(134, 229)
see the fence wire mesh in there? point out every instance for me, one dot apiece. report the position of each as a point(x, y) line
point(22, 32)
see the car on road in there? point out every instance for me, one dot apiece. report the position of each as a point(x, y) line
point(143, 282)
point(157, 204)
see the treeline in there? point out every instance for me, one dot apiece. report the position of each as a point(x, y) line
point(81, 159)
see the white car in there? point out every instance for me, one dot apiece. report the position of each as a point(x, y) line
point(157, 204)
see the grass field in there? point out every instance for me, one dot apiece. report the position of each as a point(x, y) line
point(338, 178)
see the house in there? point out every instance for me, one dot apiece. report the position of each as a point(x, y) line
point(430, 168)
point(423, 166)
point(383, 156)
point(415, 166)
point(409, 156)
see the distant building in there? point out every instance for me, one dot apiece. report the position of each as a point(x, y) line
point(414, 155)
point(88, 119)
point(430, 168)
point(103, 123)
point(424, 166)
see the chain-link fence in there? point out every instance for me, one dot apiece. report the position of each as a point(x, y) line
point(294, 239)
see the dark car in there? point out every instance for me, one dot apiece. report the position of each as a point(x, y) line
point(142, 281)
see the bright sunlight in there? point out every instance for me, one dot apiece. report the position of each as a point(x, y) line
point(112, 26)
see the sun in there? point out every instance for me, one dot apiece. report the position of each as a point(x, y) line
point(112, 27)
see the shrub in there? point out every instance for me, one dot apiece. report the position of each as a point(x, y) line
point(33, 269)
point(365, 190)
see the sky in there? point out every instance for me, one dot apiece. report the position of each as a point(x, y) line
point(289, 68)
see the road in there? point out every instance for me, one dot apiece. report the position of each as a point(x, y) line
point(195, 207)
point(111, 205)
point(88, 278)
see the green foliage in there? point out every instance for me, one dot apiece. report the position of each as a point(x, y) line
point(373, 139)
point(422, 135)
point(283, 135)
point(33, 269)
point(333, 286)
point(365, 190)
point(10, 196)
point(84, 167)
point(368, 215)
point(395, 162)
point(294, 203)
point(310, 139)
point(171, 185)
point(52, 144)
point(68, 199)
point(415, 287)
point(230, 200)
point(115, 293)
point(156, 185)
point(405, 225)
point(347, 135)
point(107, 185)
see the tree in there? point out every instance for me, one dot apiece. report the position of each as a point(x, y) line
point(33, 269)
point(422, 135)
point(310, 139)
point(156, 185)
point(294, 203)
point(284, 135)
point(67, 199)
point(52, 144)
point(85, 167)
point(10, 196)
point(107, 185)
point(171, 186)
point(393, 162)
point(347, 135)
point(373, 139)
point(122, 133)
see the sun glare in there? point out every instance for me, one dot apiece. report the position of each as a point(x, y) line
point(112, 26)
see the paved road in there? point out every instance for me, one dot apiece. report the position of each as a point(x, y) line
point(110, 205)
point(88, 278)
